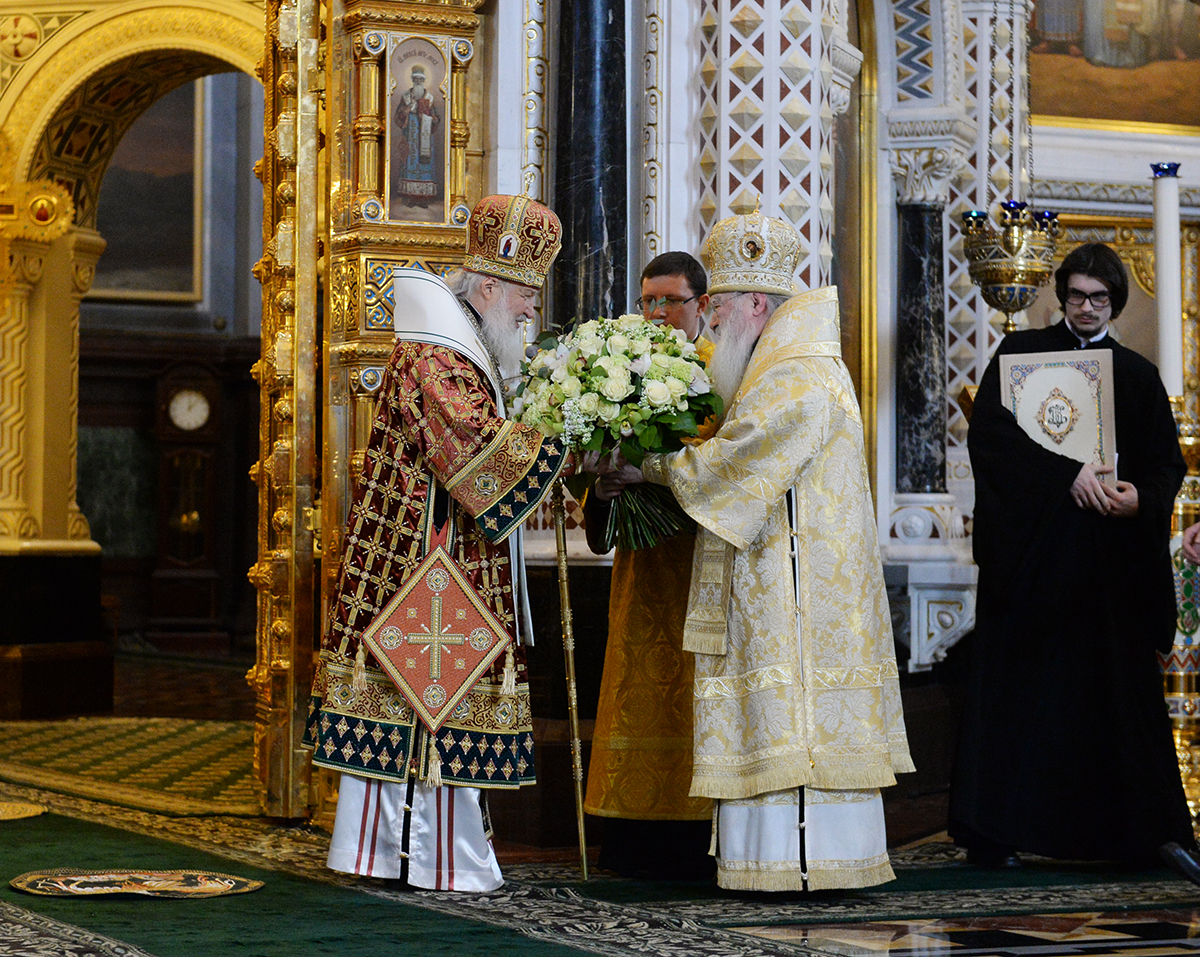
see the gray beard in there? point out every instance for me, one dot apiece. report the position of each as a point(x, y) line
point(730, 357)
point(507, 346)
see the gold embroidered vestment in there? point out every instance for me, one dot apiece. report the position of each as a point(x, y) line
point(641, 764)
point(795, 677)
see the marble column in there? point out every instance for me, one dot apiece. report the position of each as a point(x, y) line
point(926, 547)
point(591, 174)
point(920, 352)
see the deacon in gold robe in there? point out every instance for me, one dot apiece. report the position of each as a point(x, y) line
point(641, 766)
point(411, 804)
point(798, 722)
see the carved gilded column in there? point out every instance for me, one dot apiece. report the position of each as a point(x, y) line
point(17, 522)
point(286, 472)
point(49, 566)
point(39, 373)
point(368, 124)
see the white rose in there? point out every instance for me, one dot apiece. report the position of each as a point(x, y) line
point(658, 394)
point(677, 387)
point(640, 347)
point(589, 346)
point(616, 388)
point(630, 323)
point(613, 365)
point(617, 344)
point(606, 410)
point(590, 328)
point(571, 386)
point(589, 404)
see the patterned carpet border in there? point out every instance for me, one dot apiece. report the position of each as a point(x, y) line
point(32, 935)
point(163, 765)
point(544, 902)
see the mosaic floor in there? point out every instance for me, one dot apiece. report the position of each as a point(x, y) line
point(1139, 934)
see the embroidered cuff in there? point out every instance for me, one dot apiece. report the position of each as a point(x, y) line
point(654, 468)
point(505, 516)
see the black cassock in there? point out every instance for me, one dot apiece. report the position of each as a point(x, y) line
point(1066, 747)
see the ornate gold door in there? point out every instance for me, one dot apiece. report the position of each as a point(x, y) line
point(289, 460)
point(365, 169)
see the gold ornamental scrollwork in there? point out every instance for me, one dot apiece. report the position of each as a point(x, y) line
point(452, 18)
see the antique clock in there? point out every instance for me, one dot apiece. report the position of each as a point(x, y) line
point(185, 594)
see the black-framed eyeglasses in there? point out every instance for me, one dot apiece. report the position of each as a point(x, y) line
point(662, 302)
point(1077, 297)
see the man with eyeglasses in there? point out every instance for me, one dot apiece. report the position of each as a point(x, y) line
point(675, 291)
point(641, 764)
point(796, 696)
point(1066, 748)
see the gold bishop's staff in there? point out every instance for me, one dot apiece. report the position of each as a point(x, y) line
point(564, 600)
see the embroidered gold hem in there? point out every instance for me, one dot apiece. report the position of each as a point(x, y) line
point(788, 877)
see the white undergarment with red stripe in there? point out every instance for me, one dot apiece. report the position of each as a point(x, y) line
point(448, 848)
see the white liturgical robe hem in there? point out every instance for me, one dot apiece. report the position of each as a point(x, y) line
point(448, 847)
point(845, 841)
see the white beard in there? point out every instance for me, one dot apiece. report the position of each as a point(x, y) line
point(731, 355)
point(506, 343)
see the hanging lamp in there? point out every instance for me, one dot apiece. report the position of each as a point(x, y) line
point(1010, 259)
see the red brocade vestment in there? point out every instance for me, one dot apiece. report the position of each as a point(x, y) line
point(436, 428)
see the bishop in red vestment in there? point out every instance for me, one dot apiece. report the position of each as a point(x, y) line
point(442, 461)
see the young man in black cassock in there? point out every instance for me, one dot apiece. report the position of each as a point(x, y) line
point(1066, 747)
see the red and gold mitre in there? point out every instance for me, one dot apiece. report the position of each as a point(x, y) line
point(514, 238)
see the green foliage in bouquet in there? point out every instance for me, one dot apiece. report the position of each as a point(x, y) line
point(627, 385)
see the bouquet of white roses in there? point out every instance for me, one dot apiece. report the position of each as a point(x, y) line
point(626, 384)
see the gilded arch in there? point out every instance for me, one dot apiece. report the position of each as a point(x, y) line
point(200, 35)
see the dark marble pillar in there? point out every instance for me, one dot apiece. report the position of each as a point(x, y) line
point(920, 352)
point(590, 172)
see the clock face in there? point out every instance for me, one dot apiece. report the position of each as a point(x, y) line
point(188, 410)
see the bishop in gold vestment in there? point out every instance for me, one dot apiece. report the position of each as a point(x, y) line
point(798, 720)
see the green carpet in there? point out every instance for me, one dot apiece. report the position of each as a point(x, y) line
point(166, 765)
point(289, 917)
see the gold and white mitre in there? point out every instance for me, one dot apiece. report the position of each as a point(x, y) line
point(753, 253)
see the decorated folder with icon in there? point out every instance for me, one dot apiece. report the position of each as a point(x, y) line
point(1064, 402)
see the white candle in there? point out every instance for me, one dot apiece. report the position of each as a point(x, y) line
point(1168, 276)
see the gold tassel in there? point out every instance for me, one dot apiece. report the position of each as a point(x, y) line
point(358, 683)
point(433, 777)
point(509, 684)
